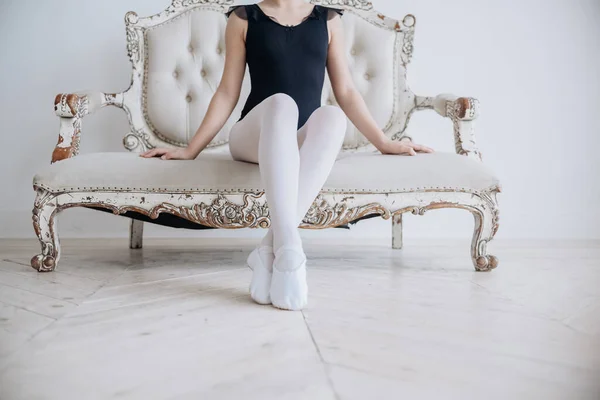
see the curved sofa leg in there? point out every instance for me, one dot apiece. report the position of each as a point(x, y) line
point(397, 231)
point(136, 234)
point(486, 226)
point(44, 224)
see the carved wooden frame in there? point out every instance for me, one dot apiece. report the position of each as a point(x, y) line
point(237, 210)
point(249, 210)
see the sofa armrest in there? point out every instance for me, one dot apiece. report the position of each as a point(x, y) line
point(462, 111)
point(71, 108)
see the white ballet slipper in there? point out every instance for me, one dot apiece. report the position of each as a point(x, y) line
point(260, 262)
point(289, 290)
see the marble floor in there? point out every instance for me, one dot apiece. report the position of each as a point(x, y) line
point(174, 321)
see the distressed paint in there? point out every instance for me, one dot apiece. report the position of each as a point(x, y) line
point(136, 234)
point(397, 231)
point(462, 111)
point(71, 108)
point(249, 210)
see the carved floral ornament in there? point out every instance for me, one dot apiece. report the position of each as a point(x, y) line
point(249, 210)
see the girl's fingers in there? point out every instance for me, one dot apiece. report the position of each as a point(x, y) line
point(149, 153)
point(421, 148)
point(406, 149)
point(410, 148)
point(426, 149)
point(156, 152)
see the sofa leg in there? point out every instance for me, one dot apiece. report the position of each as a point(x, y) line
point(44, 224)
point(486, 225)
point(397, 231)
point(136, 234)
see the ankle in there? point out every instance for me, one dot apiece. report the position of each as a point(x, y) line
point(291, 240)
point(267, 240)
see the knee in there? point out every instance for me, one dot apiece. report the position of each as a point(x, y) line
point(281, 103)
point(334, 119)
point(332, 115)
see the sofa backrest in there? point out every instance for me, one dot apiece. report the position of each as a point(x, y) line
point(178, 57)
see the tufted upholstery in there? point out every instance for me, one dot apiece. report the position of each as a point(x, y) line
point(371, 54)
point(186, 56)
point(185, 59)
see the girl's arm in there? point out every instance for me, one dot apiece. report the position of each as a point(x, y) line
point(352, 103)
point(223, 101)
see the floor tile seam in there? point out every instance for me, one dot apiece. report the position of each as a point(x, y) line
point(141, 303)
point(324, 364)
point(54, 273)
point(15, 262)
point(38, 294)
point(176, 278)
point(26, 309)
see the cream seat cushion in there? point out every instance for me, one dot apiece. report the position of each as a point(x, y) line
point(211, 173)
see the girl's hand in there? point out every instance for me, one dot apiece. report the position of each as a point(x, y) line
point(169, 154)
point(405, 146)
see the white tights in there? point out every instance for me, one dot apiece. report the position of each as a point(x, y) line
point(294, 164)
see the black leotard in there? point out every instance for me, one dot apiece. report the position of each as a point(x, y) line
point(286, 59)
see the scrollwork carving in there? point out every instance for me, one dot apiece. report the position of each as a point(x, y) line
point(133, 45)
point(490, 198)
point(325, 215)
point(463, 108)
point(222, 213)
point(252, 213)
point(71, 108)
point(407, 47)
point(71, 105)
point(462, 111)
point(43, 224)
point(250, 210)
point(137, 142)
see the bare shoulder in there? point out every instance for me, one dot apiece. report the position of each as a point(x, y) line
point(334, 26)
point(237, 23)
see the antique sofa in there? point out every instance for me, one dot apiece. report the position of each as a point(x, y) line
point(177, 58)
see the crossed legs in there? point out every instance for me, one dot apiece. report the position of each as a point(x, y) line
point(294, 166)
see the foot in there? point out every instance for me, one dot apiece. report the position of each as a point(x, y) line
point(289, 290)
point(260, 262)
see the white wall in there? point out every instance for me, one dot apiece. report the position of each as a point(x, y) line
point(534, 64)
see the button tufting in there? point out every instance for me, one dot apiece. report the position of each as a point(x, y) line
point(203, 73)
point(188, 98)
point(329, 102)
point(190, 48)
point(219, 51)
point(175, 74)
point(353, 52)
point(367, 76)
